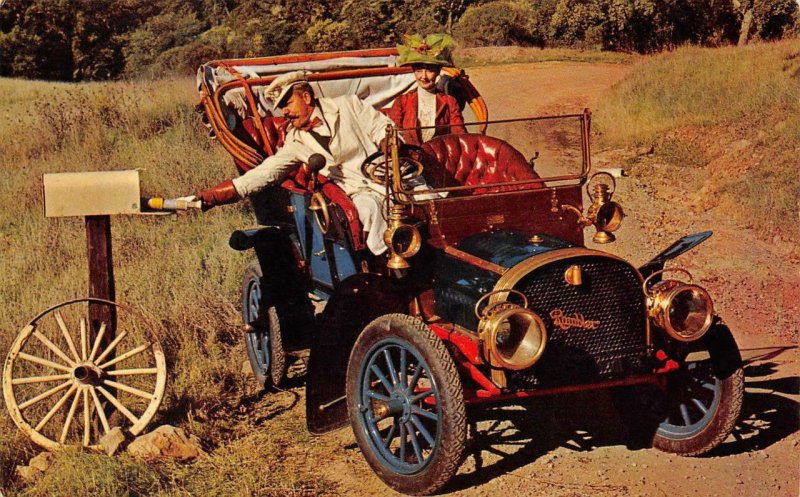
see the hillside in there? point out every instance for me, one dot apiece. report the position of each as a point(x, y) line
point(709, 138)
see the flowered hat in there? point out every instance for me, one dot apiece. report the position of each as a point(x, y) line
point(433, 49)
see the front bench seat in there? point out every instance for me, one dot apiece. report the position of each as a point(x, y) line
point(475, 159)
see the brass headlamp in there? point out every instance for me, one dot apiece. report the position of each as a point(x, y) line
point(513, 336)
point(683, 310)
point(605, 214)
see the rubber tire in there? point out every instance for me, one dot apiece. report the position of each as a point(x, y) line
point(449, 453)
point(275, 374)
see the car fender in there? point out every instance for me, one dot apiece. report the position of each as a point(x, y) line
point(680, 246)
point(355, 303)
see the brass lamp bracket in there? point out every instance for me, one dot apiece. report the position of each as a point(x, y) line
point(605, 214)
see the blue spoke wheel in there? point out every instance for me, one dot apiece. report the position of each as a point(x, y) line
point(406, 404)
point(264, 342)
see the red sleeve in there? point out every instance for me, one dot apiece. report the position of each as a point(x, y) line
point(456, 119)
point(396, 112)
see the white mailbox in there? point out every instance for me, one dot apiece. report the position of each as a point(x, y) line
point(93, 193)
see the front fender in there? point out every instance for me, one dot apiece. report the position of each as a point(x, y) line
point(679, 247)
point(357, 301)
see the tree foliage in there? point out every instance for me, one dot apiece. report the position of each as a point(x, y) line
point(77, 40)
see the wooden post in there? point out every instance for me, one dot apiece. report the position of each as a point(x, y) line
point(101, 277)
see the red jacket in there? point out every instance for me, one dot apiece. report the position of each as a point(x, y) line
point(404, 114)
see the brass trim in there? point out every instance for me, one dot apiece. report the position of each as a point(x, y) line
point(475, 260)
point(574, 275)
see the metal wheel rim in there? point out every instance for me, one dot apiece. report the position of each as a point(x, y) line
point(257, 341)
point(692, 401)
point(410, 443)
point(73, 391)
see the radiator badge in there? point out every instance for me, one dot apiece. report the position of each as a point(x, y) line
point(574, 321)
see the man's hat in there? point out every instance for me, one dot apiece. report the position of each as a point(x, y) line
point(433, 49)
point(278, 90)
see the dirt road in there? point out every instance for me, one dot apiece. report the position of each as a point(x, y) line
point(575, 445)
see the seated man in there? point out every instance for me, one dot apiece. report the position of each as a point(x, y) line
point(344, 130)
point(426, 105)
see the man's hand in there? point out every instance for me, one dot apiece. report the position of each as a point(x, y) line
point(223, 193)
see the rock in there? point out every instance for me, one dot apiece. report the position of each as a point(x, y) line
point(166, 442)
point(42, 462)
point(36, 467)
point(247, 368)
point(112, 440)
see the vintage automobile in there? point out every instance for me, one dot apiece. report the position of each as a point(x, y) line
point(488, 294)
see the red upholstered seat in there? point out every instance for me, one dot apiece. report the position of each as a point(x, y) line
point(475, 159)
point(273, 126)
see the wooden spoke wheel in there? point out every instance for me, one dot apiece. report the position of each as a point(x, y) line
point(79, 369)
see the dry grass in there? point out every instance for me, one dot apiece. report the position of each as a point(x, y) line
point(490, 56)
point(177, 269)
point(732, 112)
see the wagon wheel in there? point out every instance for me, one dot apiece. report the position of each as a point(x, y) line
point(97, 384)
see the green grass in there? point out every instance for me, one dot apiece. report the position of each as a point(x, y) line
point(733, 111)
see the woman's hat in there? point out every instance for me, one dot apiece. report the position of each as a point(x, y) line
point(433, 49)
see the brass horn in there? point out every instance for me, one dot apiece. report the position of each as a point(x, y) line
point(514, 337)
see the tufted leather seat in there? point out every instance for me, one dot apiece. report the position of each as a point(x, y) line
point(475, 159)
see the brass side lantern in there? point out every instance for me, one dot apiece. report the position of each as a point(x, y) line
point(605, 214)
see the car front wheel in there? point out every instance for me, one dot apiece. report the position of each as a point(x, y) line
point(406, 405)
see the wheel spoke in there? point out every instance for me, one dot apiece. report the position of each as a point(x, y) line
point(44, 362)
point(121, 408)
point(414, 442)
point(126, 355)
point(53, 410)
point(700, 406)
point(129, 389)
point(422, 430)
point(708, 386)
point(421, 396)
point(44, 395)
point(70, 417)
point(67, 336)
point(40, 379)
point(685, 414)
point(87, 419)
point(414, 379)
point(422, 412)
point(375, 395)
point(389, 436)
point(132, 372)
point(111, 346)
point(100, 412)
point(50, 345)
point(84, 341)
point(374, 368)
point(402, 442)
point(403, 366)
point(390, 365)
point(97, 341)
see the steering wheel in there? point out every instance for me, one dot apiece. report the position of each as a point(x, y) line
point(374, 166)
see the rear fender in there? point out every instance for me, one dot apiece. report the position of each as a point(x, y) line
point(355, 303)
point(279, 259)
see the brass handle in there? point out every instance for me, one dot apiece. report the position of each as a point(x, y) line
point(479, 315)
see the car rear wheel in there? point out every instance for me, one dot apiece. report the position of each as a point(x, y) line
point(264, 341)
point(406, 405)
